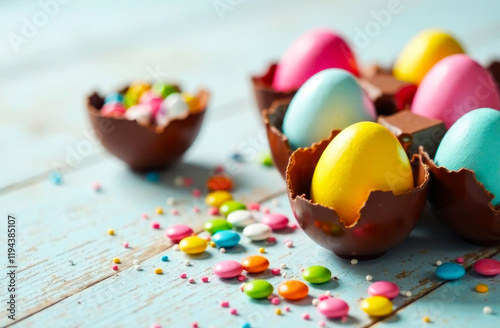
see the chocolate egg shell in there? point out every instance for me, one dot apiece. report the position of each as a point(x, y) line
point(145, 147)
point(386, 219)
point(263, 90)
point(462, 204)
point(278, 142)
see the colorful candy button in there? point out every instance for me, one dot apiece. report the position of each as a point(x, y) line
point(134, 93)
point(193, 245)
point(219, 182)
point(275, 221)
point(192, 101)
point(231, 206)
point(384, 288)
point(258, 288)
point(178, 232)
point(257, 231)
point(217, 198)
point(255, 264)
point(226, 238)
point(241, 218)
point(487, 267)
point(114, 109)
point(153, 101)
point(333, 308)
point(228, 269)
point(293, 290)
point(450, 271)
point(216, 225)
point(481, 288)
point(113, 97)
point(163, 90)
point(377, 306)
point(316, 274)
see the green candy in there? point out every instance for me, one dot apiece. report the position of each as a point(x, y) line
point(266, 159)
point(316, 274)
point(231, 206)
point(216, 225)
point(258, 289)
point(163, 90)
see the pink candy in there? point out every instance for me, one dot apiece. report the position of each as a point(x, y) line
point(275, 271)
point(113, 109)
point(233, 311)
point(224, 304)
point(459, 260)
point(322, 297)
point(213, 211)
point(384, 288)
point(115, 267)
point(487, 267)
point(275, 300)
point(253, 206)
point(178, 232)
point(196, 193)
point(275, 221)
point(204, 279)
point(149, 98)
point(306, 316)
point(155, 225)
point(126, 245)
point(228, 269)
point(333, 307)
point(174, 211)
point(242, 278)
point(183, 276)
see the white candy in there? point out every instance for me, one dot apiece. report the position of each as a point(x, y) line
point(438, 263)
point(140, 113)
point(241, 218)
point(137, 262)
point(138, 267)
point(369, 278)
point(162, 117)
point(354, 261)
point(175, 106)
point(171, 201)
point(487, 310)
point(283, 265)
point(328, 293)
point(187, 263)
point(222, 250)
point(257, 231)
point(315, 302)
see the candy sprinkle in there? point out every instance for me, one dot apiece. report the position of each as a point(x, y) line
point(275, 300)
point(158, 271)
point(278, 311)
point(55, 178)
point(481, 288)
point(328, 293)
point(115, 267)
point(183, 276)
point(322, 323)
point(126, 244)
point(194, 325)
point(174, 211)
point(164, 258)
point(224, 304)
point(287, 309)
point(191, 280)
point(111, 232)
point(222, 250)
point(155, 225)
point(159, 210)
point(306, 316)
point(354, 261)
point(170, 201)
point(283, 265)
point(262, 250)
point(137, 262)
point(438, 263)
point(426, 319)
point(233, 311)
point(144, 216)
point(116, 260)
point(178, 181)
point(246, 325)
point(187, 263)
point(487, 310)
point(459, 260)
point(369, 278)
point(196, 193)
point(289, 244)
point(204, 279)
point(315, 302)
point(138, 267)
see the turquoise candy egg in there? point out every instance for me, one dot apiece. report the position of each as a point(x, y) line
point(473, 142)
point(226, 238)
point(331, 99)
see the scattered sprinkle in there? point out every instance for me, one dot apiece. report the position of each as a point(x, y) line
point(487, 310)
point(111, 232)
point(174, 211)
point(265, 210)
point(242, 286)
point(276, 271)
point(196, 193)
point(408, 294)
point(155, 325)
point(284, 274)
point(96, 186)
point(115, 267)
point(315, 302)
point(195, 209)
point(55, 178)
point(191, 280)
point(328, 293)
point(159, 210)
point(262, 250)
point(275, 300)
point(71, 262)
point(292, 225)
point(222, 250)
point(253, 206)
point(178, 181)
point(204, 279)
point(426, 319)
point(233, 311)
point(164, 258)
point(224, 304)
point(194, 325)
point(322, 323)
point(438, 263)
point(183, 276)
point(158, 271)
point(283, 265)
point(322, 297)
point(481, 288)
point(271, 239)
point(212, 244)
point(116, 260)
point(153, 177)
point(187, 263)
point(265, 159)
point(176, 248)
point(170, 201)
point(137, 262)
point(155, 225)
point(276, 202)
point(126, 244)
point(306, 316)
point(144, 216)
point(188, 182)
point(246, 325)
point(287, 309)
point(369, 278)
point(277, 311)
point(289, 243)
point(242, 278)
point(213, 211)
point(354, 261)
point(459, 260)
point(138, 267)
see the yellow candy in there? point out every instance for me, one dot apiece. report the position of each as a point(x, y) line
point(278, 311)
point(158, 271)
point(116, 260)
point(426, 319)
point(193, 245)
point(377, 306)
point(159, 210)
point(217, 198)
point(422, 52)
point(134, 93)
point(111, 232)
point(363, 157)
point(212, 244)
point(262, 250)
point(193, 102)
point(481, 288)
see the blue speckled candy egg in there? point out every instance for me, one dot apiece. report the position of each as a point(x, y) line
point(331, 99)
point(450, 271)
point(473, 142)
point(226, 238)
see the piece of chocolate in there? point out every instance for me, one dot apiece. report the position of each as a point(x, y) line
point(386, 219)
point(414, 130)
point(387, 93)
point(463, 205)
point(145, 148)
point(263, 90)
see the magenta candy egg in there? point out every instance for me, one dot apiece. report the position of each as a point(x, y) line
point(275, 221)
point(384, 288)
point(310, 53)
point(333, 308)
point(149, 98)
point(453, 87)
point(487, 267)
point(115, 109)
point(228, 269)
point(178, 232)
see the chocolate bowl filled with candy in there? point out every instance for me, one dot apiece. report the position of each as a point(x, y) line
point(385, 218)
point(148, 127)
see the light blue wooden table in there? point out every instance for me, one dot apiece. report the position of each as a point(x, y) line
point(64, 252)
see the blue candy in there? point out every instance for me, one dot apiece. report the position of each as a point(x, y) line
point(164, 258)
point(450, 271)
point(114, 97)
point(153, 177)
point(56, 178)
point(226, 238)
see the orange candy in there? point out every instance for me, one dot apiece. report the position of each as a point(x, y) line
point(255, 264)
point(219, 182)
point(293, 290)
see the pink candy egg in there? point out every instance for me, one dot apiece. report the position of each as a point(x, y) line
point(309, 54)
point(455, 86)
point(333, 308)
point(275, 221)
point(114, 109)
point(384, 288)
point(487, 267)
point(228, 269)
point(178, 232)
point(149, 98)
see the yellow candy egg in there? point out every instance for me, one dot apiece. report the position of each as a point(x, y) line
point(422, 52)
point(193, 245)
point(217, 198)
point(377, 306)
point(363, 157)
